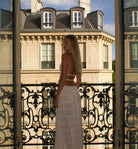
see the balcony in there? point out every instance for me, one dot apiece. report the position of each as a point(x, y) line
point(38, 114)
point(109, 111)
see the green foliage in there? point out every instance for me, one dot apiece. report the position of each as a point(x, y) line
point(113, 66)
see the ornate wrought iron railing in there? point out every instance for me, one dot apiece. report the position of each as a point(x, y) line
point(38, 113)
point(131, 114)
point(6, 115)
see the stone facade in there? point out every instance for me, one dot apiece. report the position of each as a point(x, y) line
point(131, 71)
point(31, 44)
point(131, 37)
point(35, 33)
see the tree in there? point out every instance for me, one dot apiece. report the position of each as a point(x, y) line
point(113, 66)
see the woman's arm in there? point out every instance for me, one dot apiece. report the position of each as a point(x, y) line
point(60, 75)
point(78, 76)
point(59, 79)
point(62, 79)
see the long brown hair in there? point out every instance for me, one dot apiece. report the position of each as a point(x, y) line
point(75, 50)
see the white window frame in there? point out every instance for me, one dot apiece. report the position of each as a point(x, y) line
point(48, 20)
point(78, 19)
point(133, 22)
point(105, 55)
point(133, 56)
point(48, 55)
point(83, 53)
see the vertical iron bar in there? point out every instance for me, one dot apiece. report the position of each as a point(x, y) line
point(119, 130)
point(16, 75)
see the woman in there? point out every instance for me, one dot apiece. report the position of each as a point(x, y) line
point(69, 132)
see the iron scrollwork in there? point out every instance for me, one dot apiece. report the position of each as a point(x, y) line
point(38, 115)
point(6, 117)
point(131, 113)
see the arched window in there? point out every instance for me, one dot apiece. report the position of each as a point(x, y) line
point(77, 19)
point(47, 20)
point(133, 19)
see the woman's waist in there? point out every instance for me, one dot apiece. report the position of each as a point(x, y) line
point(69, 83)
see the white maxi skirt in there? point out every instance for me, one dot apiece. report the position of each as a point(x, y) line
point(69, 131)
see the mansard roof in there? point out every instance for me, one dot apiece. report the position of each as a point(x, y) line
point(62, 20)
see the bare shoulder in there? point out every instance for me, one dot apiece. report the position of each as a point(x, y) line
point(65, 56)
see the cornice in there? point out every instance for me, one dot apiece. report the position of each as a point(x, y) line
point(58, 36)
point(131, 35)
point(5, 37)
point(82, 37)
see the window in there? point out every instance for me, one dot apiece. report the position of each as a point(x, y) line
point(48, 56)
point(130, 19)
point(48, 22)
point(105, 56)
point(83, 54)
point(77, 19)
point(100, 21)
point(133, 19)
point(134, 54)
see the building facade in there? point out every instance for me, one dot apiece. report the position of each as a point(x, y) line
point(42, 34)
point(131, 70)
point(6, 65)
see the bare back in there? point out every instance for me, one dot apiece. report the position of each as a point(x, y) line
point(70, 72)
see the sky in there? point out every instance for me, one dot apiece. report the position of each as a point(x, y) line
point(5, 4)
point(106, 6)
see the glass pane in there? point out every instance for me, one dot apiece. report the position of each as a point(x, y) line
point(130, 19)
point(48, 56)
point(80, 18)
point(135, 18)
point(44, 52)
point(6, 75)
point(51, 52)
point(105, 53)
point(75, 16)
point(50, 17)
point(46, 17)
point(131, 73)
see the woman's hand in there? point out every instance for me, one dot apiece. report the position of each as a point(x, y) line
point(56, 101)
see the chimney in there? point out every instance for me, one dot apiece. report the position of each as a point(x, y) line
point(36, 5)
point(85, 4)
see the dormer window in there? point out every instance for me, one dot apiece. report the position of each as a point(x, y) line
point(47, 20)
point(77, 19)
point(48, 16)
point(133, 21)
point(100, 21)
